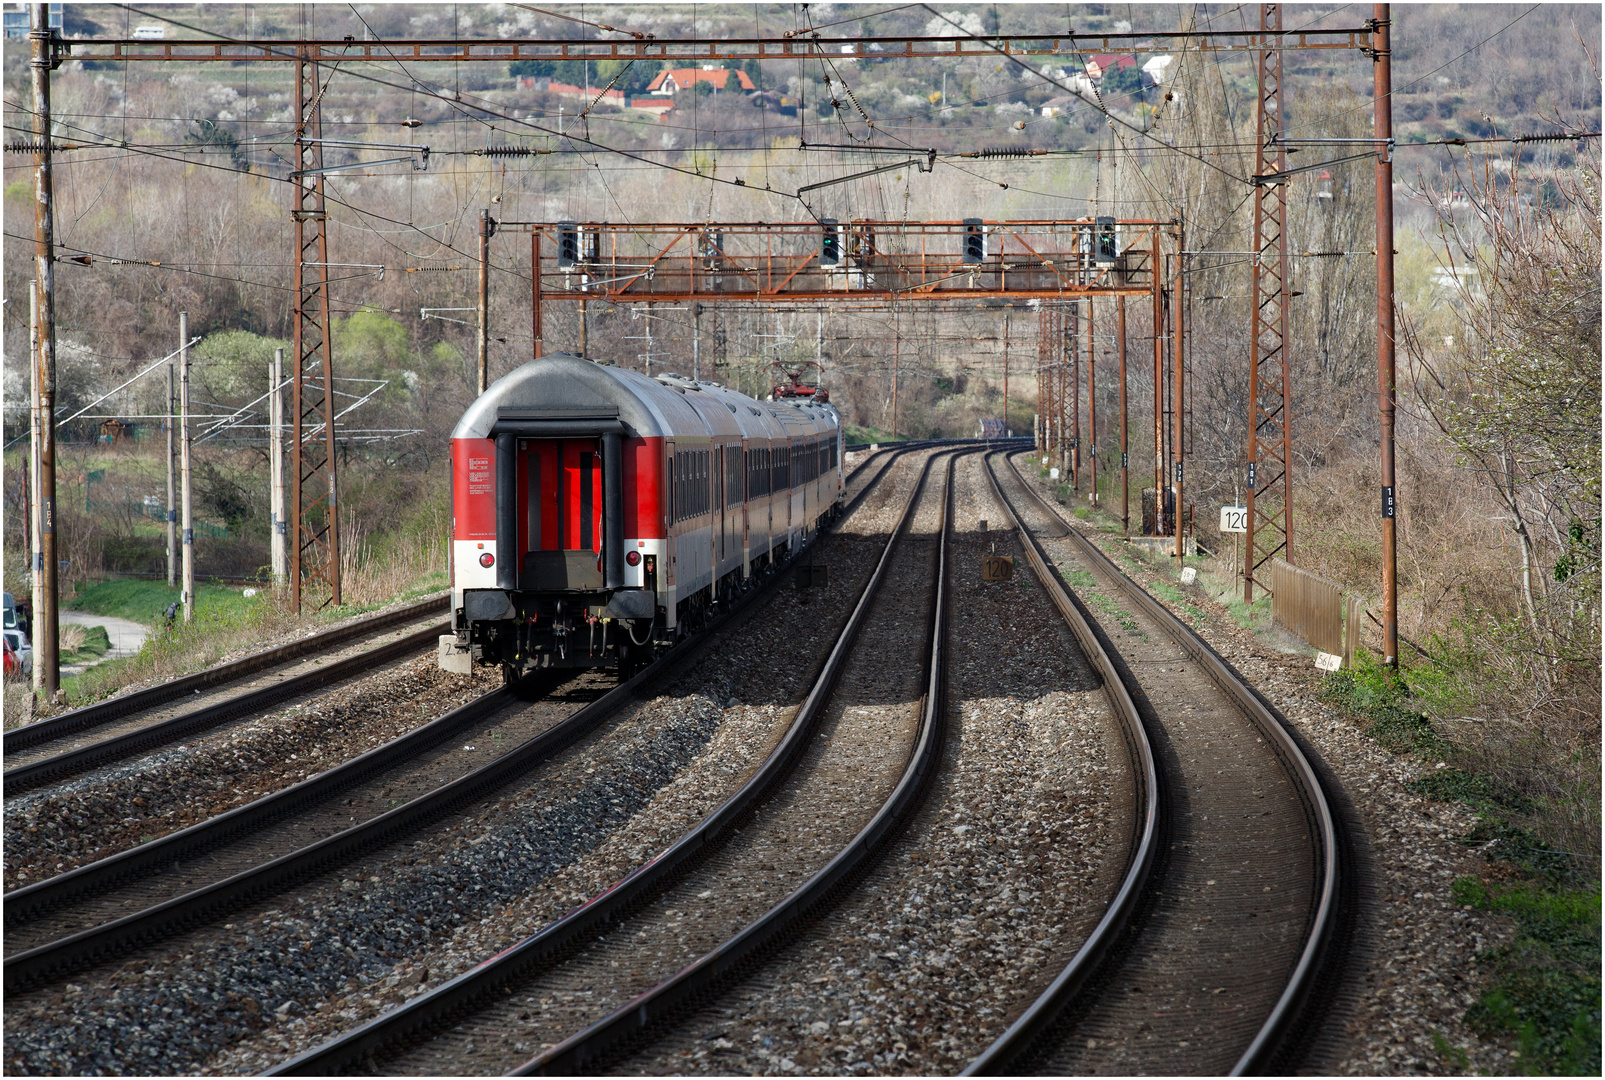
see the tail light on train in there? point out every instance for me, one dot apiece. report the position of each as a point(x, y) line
point(633, 558)
point(487, 559)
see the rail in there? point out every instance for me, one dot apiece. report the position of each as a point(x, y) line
point(1269, 1040)
point(36, 773)
point(429, 1010)
point(113, 708)
point(585, 1048)
point(1040, 1016)
point(36, 965)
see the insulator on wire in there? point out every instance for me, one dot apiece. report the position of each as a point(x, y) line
point(1003, 152)
point(509, 151)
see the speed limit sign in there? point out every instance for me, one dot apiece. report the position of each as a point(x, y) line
point(1234, 519)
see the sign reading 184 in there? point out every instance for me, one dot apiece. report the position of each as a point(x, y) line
point(1234, 519)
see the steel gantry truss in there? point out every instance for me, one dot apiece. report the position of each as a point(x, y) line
point(314, 506)
point(1270, 440)
point(830, 260)
point(793, 46)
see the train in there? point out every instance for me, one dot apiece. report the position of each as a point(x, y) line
point(599, 514)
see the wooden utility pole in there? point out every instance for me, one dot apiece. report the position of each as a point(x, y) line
point(35, 429)
point(1125, 478)
point(172, 480)
point(487, 229)
point(188, 595)
point(280, 527)
point(1387, 391)
point(41, 61)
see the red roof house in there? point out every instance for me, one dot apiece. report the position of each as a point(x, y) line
point(677, 79)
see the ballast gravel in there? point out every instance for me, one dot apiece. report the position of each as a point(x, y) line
point(119, 806)
point(1420, 973)
point(995, 884)
point(241, 996)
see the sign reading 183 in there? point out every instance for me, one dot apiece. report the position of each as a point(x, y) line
point(1234, 519)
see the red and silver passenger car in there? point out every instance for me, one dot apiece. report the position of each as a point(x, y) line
point(598, 514)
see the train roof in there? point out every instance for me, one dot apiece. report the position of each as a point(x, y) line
point(666, 406)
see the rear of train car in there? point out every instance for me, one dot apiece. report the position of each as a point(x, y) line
point(599, 514)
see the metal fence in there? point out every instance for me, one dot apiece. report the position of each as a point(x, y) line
point(1308, 605)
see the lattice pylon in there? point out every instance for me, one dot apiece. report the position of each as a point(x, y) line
point(1270, 444)
point(315, 558)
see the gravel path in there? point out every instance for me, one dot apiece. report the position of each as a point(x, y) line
point(1419, 971)
point(126, 637)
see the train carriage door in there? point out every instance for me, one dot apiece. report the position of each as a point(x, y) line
point(577, 497)
point(671, 510)
point(746, 497)
point(717, 479)
point(562, 515)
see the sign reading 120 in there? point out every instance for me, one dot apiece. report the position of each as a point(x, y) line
point(1234, 519)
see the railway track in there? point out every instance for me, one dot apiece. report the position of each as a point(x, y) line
point(160, 888)
point(272, 827)
point(806, 801)
point(121, 727)
point(1218, 950)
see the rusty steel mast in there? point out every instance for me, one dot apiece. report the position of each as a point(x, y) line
point(1269, 501)
point(314, 493)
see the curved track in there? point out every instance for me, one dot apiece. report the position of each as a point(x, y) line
point(84, 916)
point(656, 905)
point(135, 723)
point(1213, 966)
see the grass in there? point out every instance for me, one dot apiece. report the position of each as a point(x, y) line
point(1546, 987)
point(146, 602)
point(83, 644)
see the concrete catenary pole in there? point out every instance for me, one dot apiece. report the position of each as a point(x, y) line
point(1177, 388)
point(1125, 478)
point(1092, 410)
point(1005, 374)
point(1387, 390)
point(35, 428)
point(41, 60)
point(280, 531)
point(172, 480)
point(188, 595)
point(487, 229)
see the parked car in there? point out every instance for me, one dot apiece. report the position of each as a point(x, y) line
point(12, 665)
point(18, 646)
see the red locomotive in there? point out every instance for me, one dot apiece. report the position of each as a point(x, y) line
point(598, 514)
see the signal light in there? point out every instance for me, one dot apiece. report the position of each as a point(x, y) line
point(568, 245)
point(1106, 241)
point(487, 560)
point(633, 558)
point(974, 241)
point(830, 242)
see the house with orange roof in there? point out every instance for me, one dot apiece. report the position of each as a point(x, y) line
point(668, 83)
